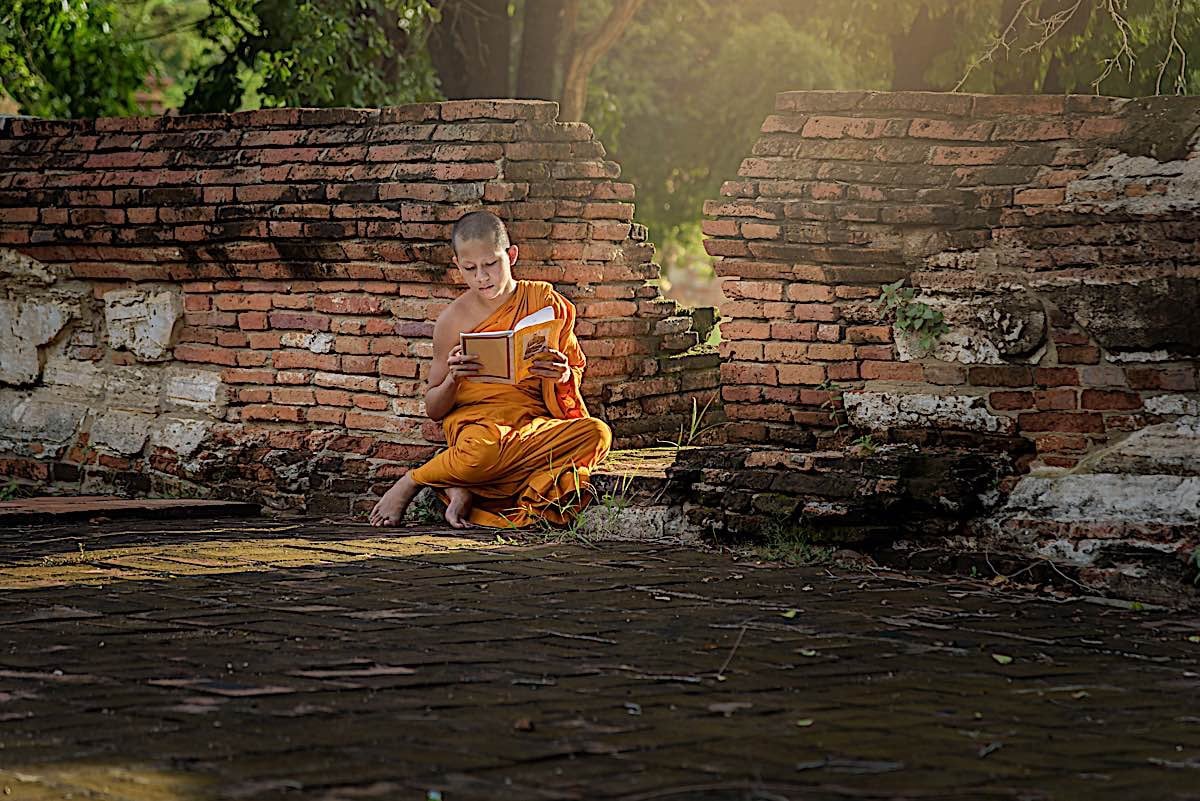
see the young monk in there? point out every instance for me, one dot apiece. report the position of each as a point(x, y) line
point(515, 453)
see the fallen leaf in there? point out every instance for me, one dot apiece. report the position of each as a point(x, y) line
point(990, 748)
point(729, 707)
point(1002, 659)
point(632, 708)
point(523, 724)
point(805, 722)
point(789, 614)
point(1194, 638)
point(807, 652)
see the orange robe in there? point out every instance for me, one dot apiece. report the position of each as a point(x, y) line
point(525, 451)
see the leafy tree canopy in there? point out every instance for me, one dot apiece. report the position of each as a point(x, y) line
point(314, 53)
point(66, 59)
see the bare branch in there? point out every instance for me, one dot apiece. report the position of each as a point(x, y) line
point(1172, 47)
point(1001, 41)
point(1115, 9)
point(1051, 25)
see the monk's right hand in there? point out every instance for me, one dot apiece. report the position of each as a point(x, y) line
point(462, 365)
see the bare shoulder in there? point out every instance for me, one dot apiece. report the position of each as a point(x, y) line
point(452, 320)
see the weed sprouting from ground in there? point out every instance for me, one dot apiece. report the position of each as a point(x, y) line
point(9, 491)
point(792, 544)
point(426, 508)
point(600, 519)
point(692, 429)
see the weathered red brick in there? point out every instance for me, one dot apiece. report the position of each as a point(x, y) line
point(1075, 422)
point(1105, 399)
point(1011, 400)
point(1000, 376)
point(1056, 399)
point(196, 353)
point(891, 371)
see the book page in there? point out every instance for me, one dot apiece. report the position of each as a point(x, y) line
point(542, 315)
point(531, 341)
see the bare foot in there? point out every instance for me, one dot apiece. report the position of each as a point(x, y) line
point(459, 507)
point(394, 503)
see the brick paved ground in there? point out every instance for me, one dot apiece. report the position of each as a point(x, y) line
point(268, 659)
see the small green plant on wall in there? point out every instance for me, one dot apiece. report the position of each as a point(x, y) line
point(919, 320)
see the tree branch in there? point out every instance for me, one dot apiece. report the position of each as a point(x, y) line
point(1001, 41)
point(1172, 47)
point(1124, 51)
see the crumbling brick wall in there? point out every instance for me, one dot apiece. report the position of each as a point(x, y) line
point(1057, 236)
point(242, 303)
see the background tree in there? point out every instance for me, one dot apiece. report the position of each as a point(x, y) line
point(529, 48)
point(66, 59)
point(310, 53)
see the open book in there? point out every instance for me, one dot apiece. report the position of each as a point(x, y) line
point(506, 356)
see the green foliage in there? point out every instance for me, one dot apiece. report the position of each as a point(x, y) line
point(64, 59)
point(172, 28)
point(866, 443)
point(9, 490)
point(426, 508)
point(834, 404)
point(1195, 562)
point(919, 320)
point(680, 99)
point(693, 428)
point(329, 53)
point(792, 544)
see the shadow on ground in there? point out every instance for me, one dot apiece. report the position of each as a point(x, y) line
point(188, 660)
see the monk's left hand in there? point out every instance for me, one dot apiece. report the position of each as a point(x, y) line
point(552, 364)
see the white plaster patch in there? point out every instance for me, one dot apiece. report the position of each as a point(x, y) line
point(193, 389)
point(25, 326)
point(63, 371)
point(181, 435)
point(1173, 404)
point(143, 321)
point(321, 342)
point(960, 345)
point(132, 387)
point(37, 418)
point(1167, 448)
point(875, 410)
point(1140, 357)
point(1171, 500)
point(120, 431)
point(18, 266)
point(1177, 185)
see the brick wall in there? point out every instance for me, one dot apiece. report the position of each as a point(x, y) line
point(1057, 236)
point(242, 303)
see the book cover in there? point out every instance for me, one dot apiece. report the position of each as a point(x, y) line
point(506, 356)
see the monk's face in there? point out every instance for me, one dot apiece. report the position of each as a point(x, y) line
point(486, 267)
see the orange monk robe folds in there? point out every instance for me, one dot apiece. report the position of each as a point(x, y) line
point(524, 451)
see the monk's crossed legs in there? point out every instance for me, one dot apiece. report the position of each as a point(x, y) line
point(497, 462)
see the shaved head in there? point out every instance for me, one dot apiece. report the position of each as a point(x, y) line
point(479, 226)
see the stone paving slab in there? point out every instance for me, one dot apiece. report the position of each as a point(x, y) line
point(325, 660)
point(50, 509)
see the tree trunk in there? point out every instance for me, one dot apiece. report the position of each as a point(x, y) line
point(587, 52)
point(541, 43)
point(470, 49)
